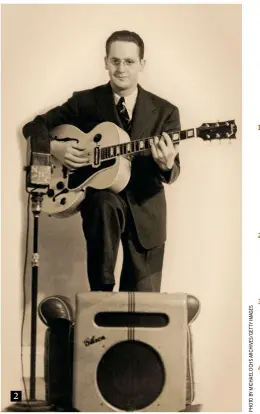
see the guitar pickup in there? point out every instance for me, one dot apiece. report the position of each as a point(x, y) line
point(96, 156)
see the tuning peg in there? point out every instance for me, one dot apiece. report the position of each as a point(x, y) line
point(217, 136)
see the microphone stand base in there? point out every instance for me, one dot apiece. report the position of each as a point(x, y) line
point(31, 405)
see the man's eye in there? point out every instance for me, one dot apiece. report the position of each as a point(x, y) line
point(127, 62)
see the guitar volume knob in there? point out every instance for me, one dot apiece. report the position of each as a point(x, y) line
point(50, 193)
point(60, 185)
point(63, 201)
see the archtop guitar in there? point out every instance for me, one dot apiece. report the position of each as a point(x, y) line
point(109, 167)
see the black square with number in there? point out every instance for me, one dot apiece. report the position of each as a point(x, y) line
point(16, 396)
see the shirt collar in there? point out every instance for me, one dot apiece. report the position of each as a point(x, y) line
point(130, 100)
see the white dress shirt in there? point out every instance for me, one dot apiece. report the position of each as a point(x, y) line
point(130, 101)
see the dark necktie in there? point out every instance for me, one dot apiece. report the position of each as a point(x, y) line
point(123, 114)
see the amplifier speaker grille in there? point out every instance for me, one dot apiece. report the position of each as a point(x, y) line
point(130, 375)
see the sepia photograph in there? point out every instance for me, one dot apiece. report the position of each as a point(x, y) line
point(122, 207)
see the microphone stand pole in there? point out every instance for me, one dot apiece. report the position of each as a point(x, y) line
point(32, 404)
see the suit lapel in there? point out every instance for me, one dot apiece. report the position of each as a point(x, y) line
point(144, 113)
point(106, 106)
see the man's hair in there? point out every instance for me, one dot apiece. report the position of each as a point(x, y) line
point(126, 36)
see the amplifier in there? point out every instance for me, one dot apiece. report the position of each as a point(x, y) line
point(130, 351)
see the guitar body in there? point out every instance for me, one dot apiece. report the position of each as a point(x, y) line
point(67, 188)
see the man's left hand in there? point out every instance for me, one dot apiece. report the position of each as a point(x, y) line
point(164, 152)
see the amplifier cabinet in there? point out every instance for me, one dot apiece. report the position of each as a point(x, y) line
point(130, 351)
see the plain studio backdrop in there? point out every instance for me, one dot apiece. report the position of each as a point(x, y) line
point(193, 55)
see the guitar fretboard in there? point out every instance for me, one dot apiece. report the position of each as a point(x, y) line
point(139, 145)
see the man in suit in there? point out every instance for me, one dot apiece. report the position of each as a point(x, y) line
point(137, 215)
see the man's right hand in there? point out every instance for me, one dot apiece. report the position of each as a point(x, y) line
point(71, 155)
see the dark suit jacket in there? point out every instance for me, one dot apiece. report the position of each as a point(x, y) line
point(152, 116)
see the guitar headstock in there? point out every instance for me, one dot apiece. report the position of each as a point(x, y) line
point(217, 130)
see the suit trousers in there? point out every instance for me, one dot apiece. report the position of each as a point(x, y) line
point(106, 219)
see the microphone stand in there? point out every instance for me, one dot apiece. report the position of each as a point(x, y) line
point(32, 404)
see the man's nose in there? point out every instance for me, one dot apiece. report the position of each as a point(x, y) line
point(121, 67)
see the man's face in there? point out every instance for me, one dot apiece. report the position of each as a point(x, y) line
point(124, 64)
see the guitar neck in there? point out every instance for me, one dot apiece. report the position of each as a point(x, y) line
point(143, 144)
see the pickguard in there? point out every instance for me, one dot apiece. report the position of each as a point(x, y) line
point(79, 176)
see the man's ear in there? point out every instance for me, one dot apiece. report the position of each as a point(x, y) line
point(143, 62)
point(105, 60)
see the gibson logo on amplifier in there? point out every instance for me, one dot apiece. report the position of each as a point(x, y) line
point(93, 340)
